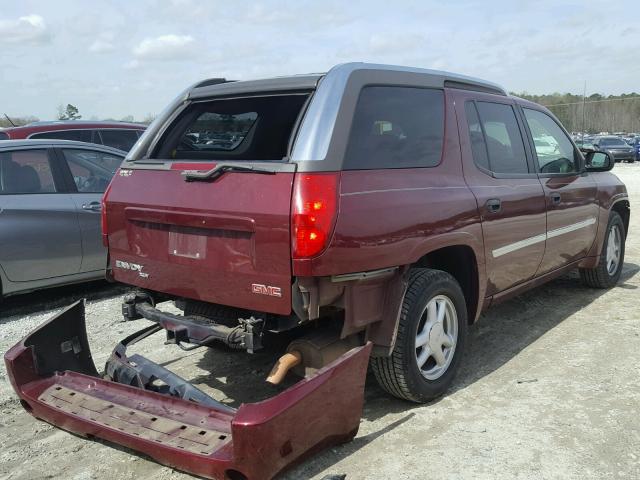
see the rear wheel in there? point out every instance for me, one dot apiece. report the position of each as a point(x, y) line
point(608, 271)
point(431, 338)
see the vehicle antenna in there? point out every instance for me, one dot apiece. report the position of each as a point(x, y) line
point(10, 121)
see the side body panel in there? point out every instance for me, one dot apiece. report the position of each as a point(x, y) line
point(572, 222)
point(39, 235)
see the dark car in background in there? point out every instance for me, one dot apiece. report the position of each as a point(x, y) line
point(50, 202)
point(616, 147)
point(120, 135)
point(635, 144)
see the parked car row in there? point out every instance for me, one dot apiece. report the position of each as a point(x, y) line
point(118, 135)
point(621, 149)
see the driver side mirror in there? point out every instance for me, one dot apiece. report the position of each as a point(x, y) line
point(598, 161)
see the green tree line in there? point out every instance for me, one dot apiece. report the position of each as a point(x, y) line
point(598, 113)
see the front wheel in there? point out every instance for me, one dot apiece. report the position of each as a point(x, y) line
point(431, 338)
point(609, 268)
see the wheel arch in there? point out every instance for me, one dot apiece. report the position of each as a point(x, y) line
point(623, 208)
point(461, 262)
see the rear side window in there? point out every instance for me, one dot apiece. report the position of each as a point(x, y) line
point(26, 171)
point(120, 139)
point(396, 127)
point(91, 170)
point(4, 136)
point(501, 136)
point(77, 135)
point(249, 128)
point(476, 137)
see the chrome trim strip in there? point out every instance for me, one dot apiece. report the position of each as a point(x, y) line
point(512, 247)
point(527, 242)
point(571, 228)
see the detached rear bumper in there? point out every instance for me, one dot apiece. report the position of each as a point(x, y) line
point(52, 372)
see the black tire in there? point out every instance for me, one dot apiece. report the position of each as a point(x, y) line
point(399, 374)
point(600, 277)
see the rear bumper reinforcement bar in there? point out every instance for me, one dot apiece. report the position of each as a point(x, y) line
point(53, 373)
point(247, 334)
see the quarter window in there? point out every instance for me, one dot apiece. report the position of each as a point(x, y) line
point(555, 152)
point(120, 139)
point(396, 127)
point(26, 171)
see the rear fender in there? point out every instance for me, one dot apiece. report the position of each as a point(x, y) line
point(52, 372)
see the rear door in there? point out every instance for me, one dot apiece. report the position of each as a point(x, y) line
point(223, 240)
point(500, 173)
point(39, 231)
point(89, 173)
point(570, 195)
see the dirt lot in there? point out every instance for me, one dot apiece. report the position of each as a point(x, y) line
point(549, 389)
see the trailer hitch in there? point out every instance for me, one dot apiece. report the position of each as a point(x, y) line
point(52, 372)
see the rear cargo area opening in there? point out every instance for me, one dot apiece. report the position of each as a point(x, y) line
point(247, 128)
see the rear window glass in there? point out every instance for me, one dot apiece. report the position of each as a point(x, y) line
point(120, 139)
point(612, 142)
point(396, 127)
point(77, 135)
point(222, 132)
point(249, 128)
point(25, 171)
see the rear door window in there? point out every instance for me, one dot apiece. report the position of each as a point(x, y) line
point(26, 171)
point(78, 135)
point(91, 170)
point(248, 128)
point(4, 136)
point(396, 127)
point(502, 139)
point(120, 139)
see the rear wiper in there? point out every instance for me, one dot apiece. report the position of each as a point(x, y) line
point(221, 169)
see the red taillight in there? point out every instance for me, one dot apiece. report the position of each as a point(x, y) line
point(315, 205)
point(103, 217)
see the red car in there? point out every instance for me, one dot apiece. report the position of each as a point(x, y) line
point(370, 213)
point(118, 135)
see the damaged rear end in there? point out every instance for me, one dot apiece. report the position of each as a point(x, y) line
point(145, 407)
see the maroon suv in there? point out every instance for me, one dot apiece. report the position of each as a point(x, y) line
point(370, 213)
point(120, 135)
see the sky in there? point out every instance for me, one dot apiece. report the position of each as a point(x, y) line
point(114, 58)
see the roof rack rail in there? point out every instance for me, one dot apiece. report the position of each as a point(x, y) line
point(473, 87)
point(212, 81)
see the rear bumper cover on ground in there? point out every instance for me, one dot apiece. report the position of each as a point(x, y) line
point(53, 373)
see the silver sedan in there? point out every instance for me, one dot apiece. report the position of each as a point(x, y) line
point(50, 193)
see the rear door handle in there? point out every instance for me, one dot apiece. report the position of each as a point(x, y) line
point(555, 198)
point(92, 206)
point(494, 205)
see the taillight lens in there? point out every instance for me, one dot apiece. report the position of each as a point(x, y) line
point(103, 217)
point(315, 205)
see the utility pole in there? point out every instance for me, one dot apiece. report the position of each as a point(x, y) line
point(584, 99)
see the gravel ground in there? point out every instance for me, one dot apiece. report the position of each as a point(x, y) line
point(549, 389)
